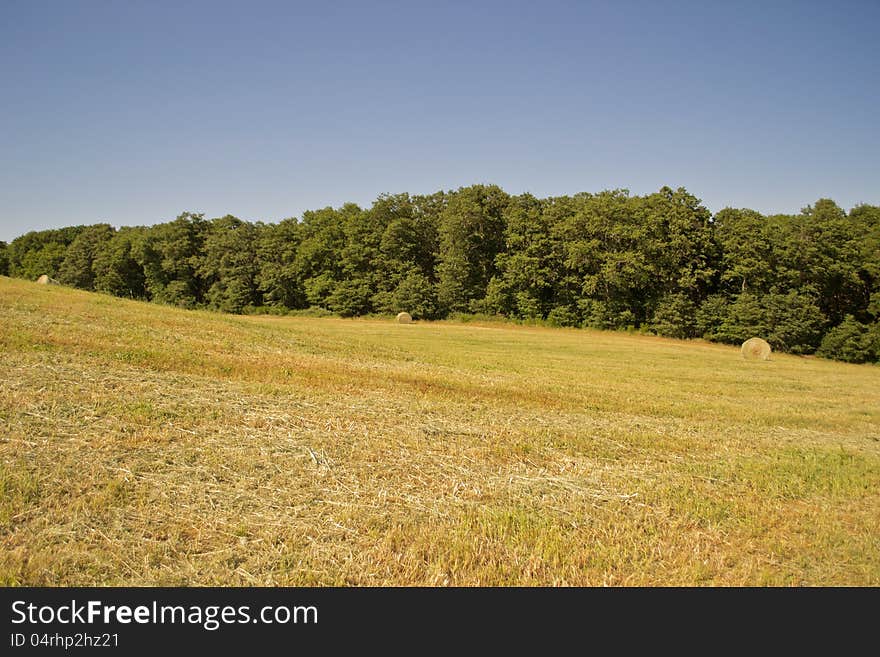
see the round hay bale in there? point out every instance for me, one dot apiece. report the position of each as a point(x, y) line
point(755, 349)
point(404, 318)
point(45, 280)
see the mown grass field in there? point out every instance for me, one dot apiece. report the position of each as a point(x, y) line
point(145, 445)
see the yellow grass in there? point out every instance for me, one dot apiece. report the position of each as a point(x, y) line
point(146, 445)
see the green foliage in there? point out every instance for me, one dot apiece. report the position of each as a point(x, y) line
point(471, 236)
point(823, 253)
point(657, 263)
point(796, 322)
point(415, 295)
point(790, 322)
point(874, 305)
point(171, 257)
point(40, 252)
point(865, 223)
point(77, 268)
point(603, 249)
point(679, 246)
point(527, 262)
point(499, 299)
point(852, 341)
point(279, 278)
point(527, 305)
point(745, 318)
point(562, 316)
point(318, 289)
point(350, 297)
point(317, 264)
point(748, 258)
point(605, 314)
point(115, 267)
point(711, 316)
point(676, 317)
point(230, 268)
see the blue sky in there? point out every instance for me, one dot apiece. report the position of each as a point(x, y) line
point(132, 112)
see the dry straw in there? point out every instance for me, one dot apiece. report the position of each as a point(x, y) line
point(404, 318)
point(755, 349)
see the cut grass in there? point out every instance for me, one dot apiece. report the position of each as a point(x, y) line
point(145, 445)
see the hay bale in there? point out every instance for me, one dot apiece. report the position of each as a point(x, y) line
point(755, 349)
point(45, 280)
point(404, 318)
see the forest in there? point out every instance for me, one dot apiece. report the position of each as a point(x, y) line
point(659, 263)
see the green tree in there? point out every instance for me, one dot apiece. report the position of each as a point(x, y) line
point(607, 260)
point(279, 278)
point(116, 269)
point(851, 341)
point(409, 241)
point(427, 210)
point(676, 317)
point(865, 221)
point(499, 299)
point(40, 252)
point(317, 265)
point(745, 318)
point(350, 297)
point(790, 322)
point(747, 241)
point(525, 266)
point(4, 259)
point(471, 236)
point(77, 267)
point(796, 321)
point(606, 275)
point(821, 253)
point(680, 244)
point(229, 265)
point(358, 263)
point(416, 295)
point(711, 316)
point(171, 257)
point(563, 259)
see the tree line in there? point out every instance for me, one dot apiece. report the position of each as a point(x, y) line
point(659, 263)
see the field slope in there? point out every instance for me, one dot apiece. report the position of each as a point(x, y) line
point(145, 445)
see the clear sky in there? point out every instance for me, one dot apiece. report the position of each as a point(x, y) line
point(133, 112)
